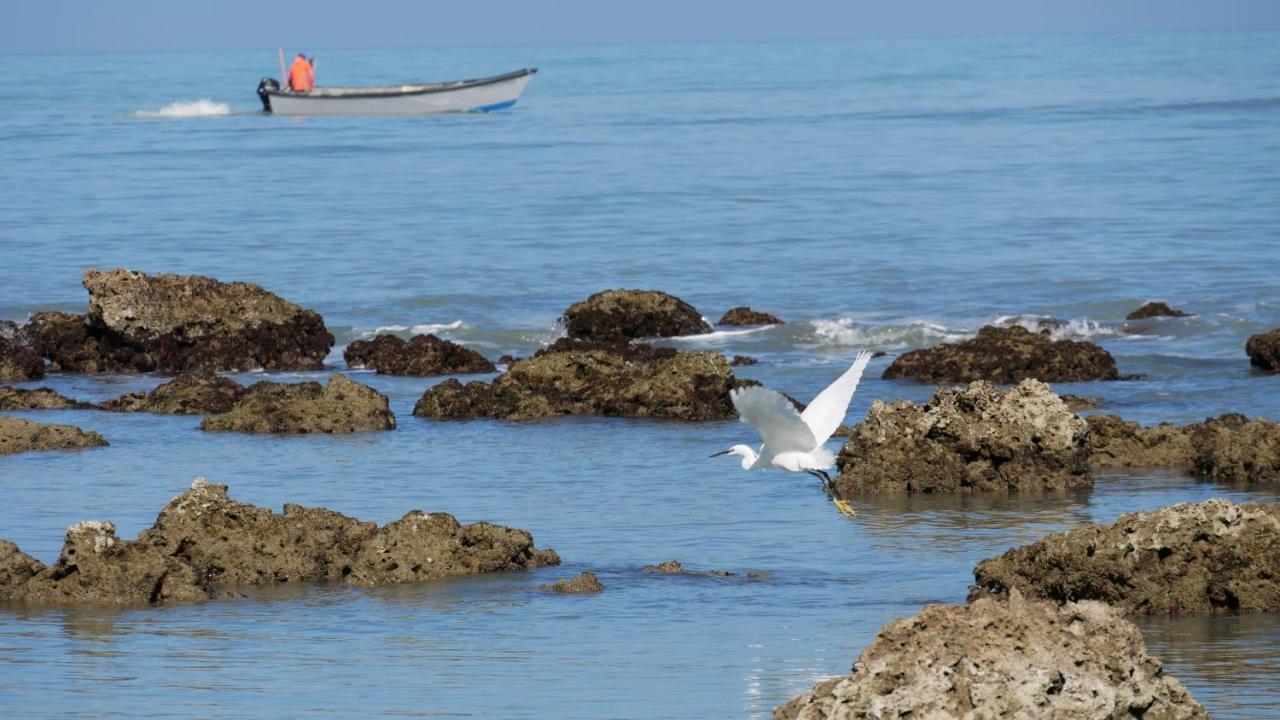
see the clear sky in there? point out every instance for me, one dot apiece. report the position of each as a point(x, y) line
point(72, 25)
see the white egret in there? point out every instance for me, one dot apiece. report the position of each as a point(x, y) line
point(793, 441)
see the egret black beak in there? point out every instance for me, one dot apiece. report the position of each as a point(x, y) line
point(723, 452)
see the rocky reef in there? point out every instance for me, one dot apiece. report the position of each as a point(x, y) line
point(1154, 310)
point(746, 316)
point(586, 582)
point(421, 355)
point(198, 393)
point(18, 363)
point(1017, 658)
point(41, 398)
point(204, 543)
point(1006, 355)
point(18, 435)
point(173, 323)
point(341, 406)
point(1231, 448)
point(975, 438)
point(593, 378)
point(1209, 557)
point(620, 315)
point(1264, 350)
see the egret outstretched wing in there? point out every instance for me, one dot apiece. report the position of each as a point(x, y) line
point(775, 418)
point(826, 411)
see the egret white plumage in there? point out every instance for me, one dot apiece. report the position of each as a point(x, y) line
point(792, 440)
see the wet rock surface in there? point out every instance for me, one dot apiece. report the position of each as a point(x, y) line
point(41, 398)
point(746, 316)
point(620, 315)
point(1264, 350)
point(1005, 356)
point(1154, 310)
point(1231, 448)
point(204, 544)
point(173, 323)
point(738, 360)
point(674, 567)
point(587, 582)
point(990, 658)
point(18, 435)
point(1200, 558)
point(964, 439)
point(590, 378)
point(188, 394)
point(421, 355)
point(1076, 403)
point(19, 363)
point(341, 406)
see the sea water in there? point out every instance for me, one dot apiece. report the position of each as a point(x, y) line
point(880, 194)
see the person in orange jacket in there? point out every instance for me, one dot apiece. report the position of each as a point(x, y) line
point(302, 76)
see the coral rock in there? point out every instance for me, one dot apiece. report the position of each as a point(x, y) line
point(18, 435)
point(188, 394)
point(422, 355)
point(1005, 356)
point(341, 406)
point(615, 315)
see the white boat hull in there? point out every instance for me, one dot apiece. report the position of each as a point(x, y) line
point(482, 95)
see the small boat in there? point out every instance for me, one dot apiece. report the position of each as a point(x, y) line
point(480, 95)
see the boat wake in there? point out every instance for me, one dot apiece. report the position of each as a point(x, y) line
point(187, 109)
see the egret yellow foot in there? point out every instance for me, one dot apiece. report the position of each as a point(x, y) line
point(844, 507)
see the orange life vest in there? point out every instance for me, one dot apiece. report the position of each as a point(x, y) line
point(301, 75)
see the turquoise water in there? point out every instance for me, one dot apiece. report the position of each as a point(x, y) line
point(877, 194)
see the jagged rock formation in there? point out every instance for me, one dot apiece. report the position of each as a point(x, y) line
point(422, 355)
point(1153, 310)
point(974, 438)
point(18, 435)
point(174, 323)
point(587, 582)
point(204, 543)
point(621, 315)
point(197, 393)
point(341, 406)
point(996, 659)
point(1192, 558)
point(1264, 350)
point(746, 316)
point(1230, 448)
point(1004, 356)
point(19, 363)
point(41, 398)
point(590, 378)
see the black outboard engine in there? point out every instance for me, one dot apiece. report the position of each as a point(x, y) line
point(263, 86)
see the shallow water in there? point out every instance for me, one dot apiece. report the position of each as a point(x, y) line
point(888, 195)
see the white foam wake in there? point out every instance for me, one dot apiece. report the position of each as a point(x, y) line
point(203, 107)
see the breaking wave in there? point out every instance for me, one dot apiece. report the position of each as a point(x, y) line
point(186, 109)
point(421, 329)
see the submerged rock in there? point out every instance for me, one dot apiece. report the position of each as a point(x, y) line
point(19, 363)
point(422, 355)
point(204, 543)
point(989, 659)
point(1004, 356)
point(18, 435)
point(1191, 558)
point(673, 567)
point(1230, 448)
point(620, 315)
point(341, 406)
point(669, 567)
point(1264, 350)
point(174, 323)
point(1076, 403)
point(974, 438)
point(1153, 310)
point(41, 398)
point(587, 582)
point(576, 378)
point(746, 316)
point(188, 394)
point(738, 360)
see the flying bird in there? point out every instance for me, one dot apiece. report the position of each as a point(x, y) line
point(792, 440)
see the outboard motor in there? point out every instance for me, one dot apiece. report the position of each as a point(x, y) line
point(263, 86)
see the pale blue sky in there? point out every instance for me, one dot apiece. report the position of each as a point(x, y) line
point(71, 25)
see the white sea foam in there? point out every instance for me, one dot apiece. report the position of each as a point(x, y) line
point(913, 333)
point(717, 335)
point(1074, 329)
point(203, 107)
point(420, 329)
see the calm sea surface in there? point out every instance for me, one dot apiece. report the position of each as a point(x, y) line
point(876, 194)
